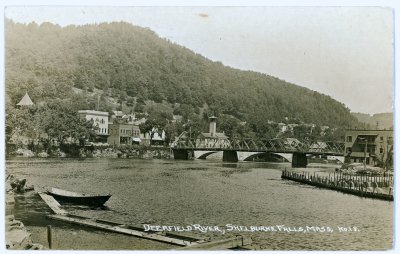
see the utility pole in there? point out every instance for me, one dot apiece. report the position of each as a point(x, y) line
point(98, 102)
point(190, 129)
point(365, 155)
point(365, 152)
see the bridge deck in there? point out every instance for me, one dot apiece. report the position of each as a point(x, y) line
point(258, 150)
point(271, 145)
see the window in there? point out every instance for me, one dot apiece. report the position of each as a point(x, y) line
point(349, 139)
point(381, 138)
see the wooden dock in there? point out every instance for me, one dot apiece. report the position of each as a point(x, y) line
point(359, 186)
point(122, 229)
point(171, 238)
point(52, 203)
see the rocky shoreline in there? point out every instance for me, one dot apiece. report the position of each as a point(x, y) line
point(137, 152)
point(17, 236)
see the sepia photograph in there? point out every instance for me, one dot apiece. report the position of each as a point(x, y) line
point(252, 128)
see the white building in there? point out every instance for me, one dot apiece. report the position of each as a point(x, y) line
point(99, 118)
point(282, 127)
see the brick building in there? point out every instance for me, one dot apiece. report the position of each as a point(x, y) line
point(375, 145)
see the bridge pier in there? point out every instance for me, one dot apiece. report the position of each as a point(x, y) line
point(230, 156)
point(183, 154)
point(299, 160)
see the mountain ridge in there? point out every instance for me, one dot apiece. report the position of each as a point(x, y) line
point(383, 120)
point(128, 62)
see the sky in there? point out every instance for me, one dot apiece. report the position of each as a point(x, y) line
point(344, 52)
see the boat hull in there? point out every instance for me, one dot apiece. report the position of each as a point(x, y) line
point(84, 200)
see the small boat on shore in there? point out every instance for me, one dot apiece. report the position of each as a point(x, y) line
point(78, 198)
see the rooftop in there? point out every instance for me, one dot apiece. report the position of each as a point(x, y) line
point(361, 130)
point(218, 135)
point(25, 101)
point(93, 112)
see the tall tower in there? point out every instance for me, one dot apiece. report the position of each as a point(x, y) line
point(213, 125)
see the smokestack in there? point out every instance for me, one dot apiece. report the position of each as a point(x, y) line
point(213, 126)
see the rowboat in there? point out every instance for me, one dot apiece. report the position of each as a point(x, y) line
point(78, 198)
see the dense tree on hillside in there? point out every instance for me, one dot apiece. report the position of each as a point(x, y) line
point(127, 61)
point(59, 120)
point(19, 121)
point(56, 120)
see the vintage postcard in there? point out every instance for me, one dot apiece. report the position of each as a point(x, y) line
point(267, 128)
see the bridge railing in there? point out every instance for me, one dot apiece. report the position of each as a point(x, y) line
point(268, 145)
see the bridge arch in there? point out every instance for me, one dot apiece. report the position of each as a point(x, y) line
point(287, 156)
point(248, 156)
point(203, 154)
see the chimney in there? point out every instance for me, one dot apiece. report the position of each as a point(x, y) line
point(213, 125)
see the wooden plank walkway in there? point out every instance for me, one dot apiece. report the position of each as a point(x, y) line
point(122, 230)
point(52, 203)
point(171, 238)
point(63, 215)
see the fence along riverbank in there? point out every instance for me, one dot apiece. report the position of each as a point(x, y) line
point(369, 186)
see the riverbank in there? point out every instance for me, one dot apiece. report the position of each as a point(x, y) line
point(17, 235)
point(134, 151)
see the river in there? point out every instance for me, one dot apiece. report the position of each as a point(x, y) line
point(209, 193)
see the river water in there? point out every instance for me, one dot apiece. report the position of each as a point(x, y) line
point(209, 193)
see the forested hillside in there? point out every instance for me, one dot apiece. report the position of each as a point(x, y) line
point(376, 121)
point(134, 66)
